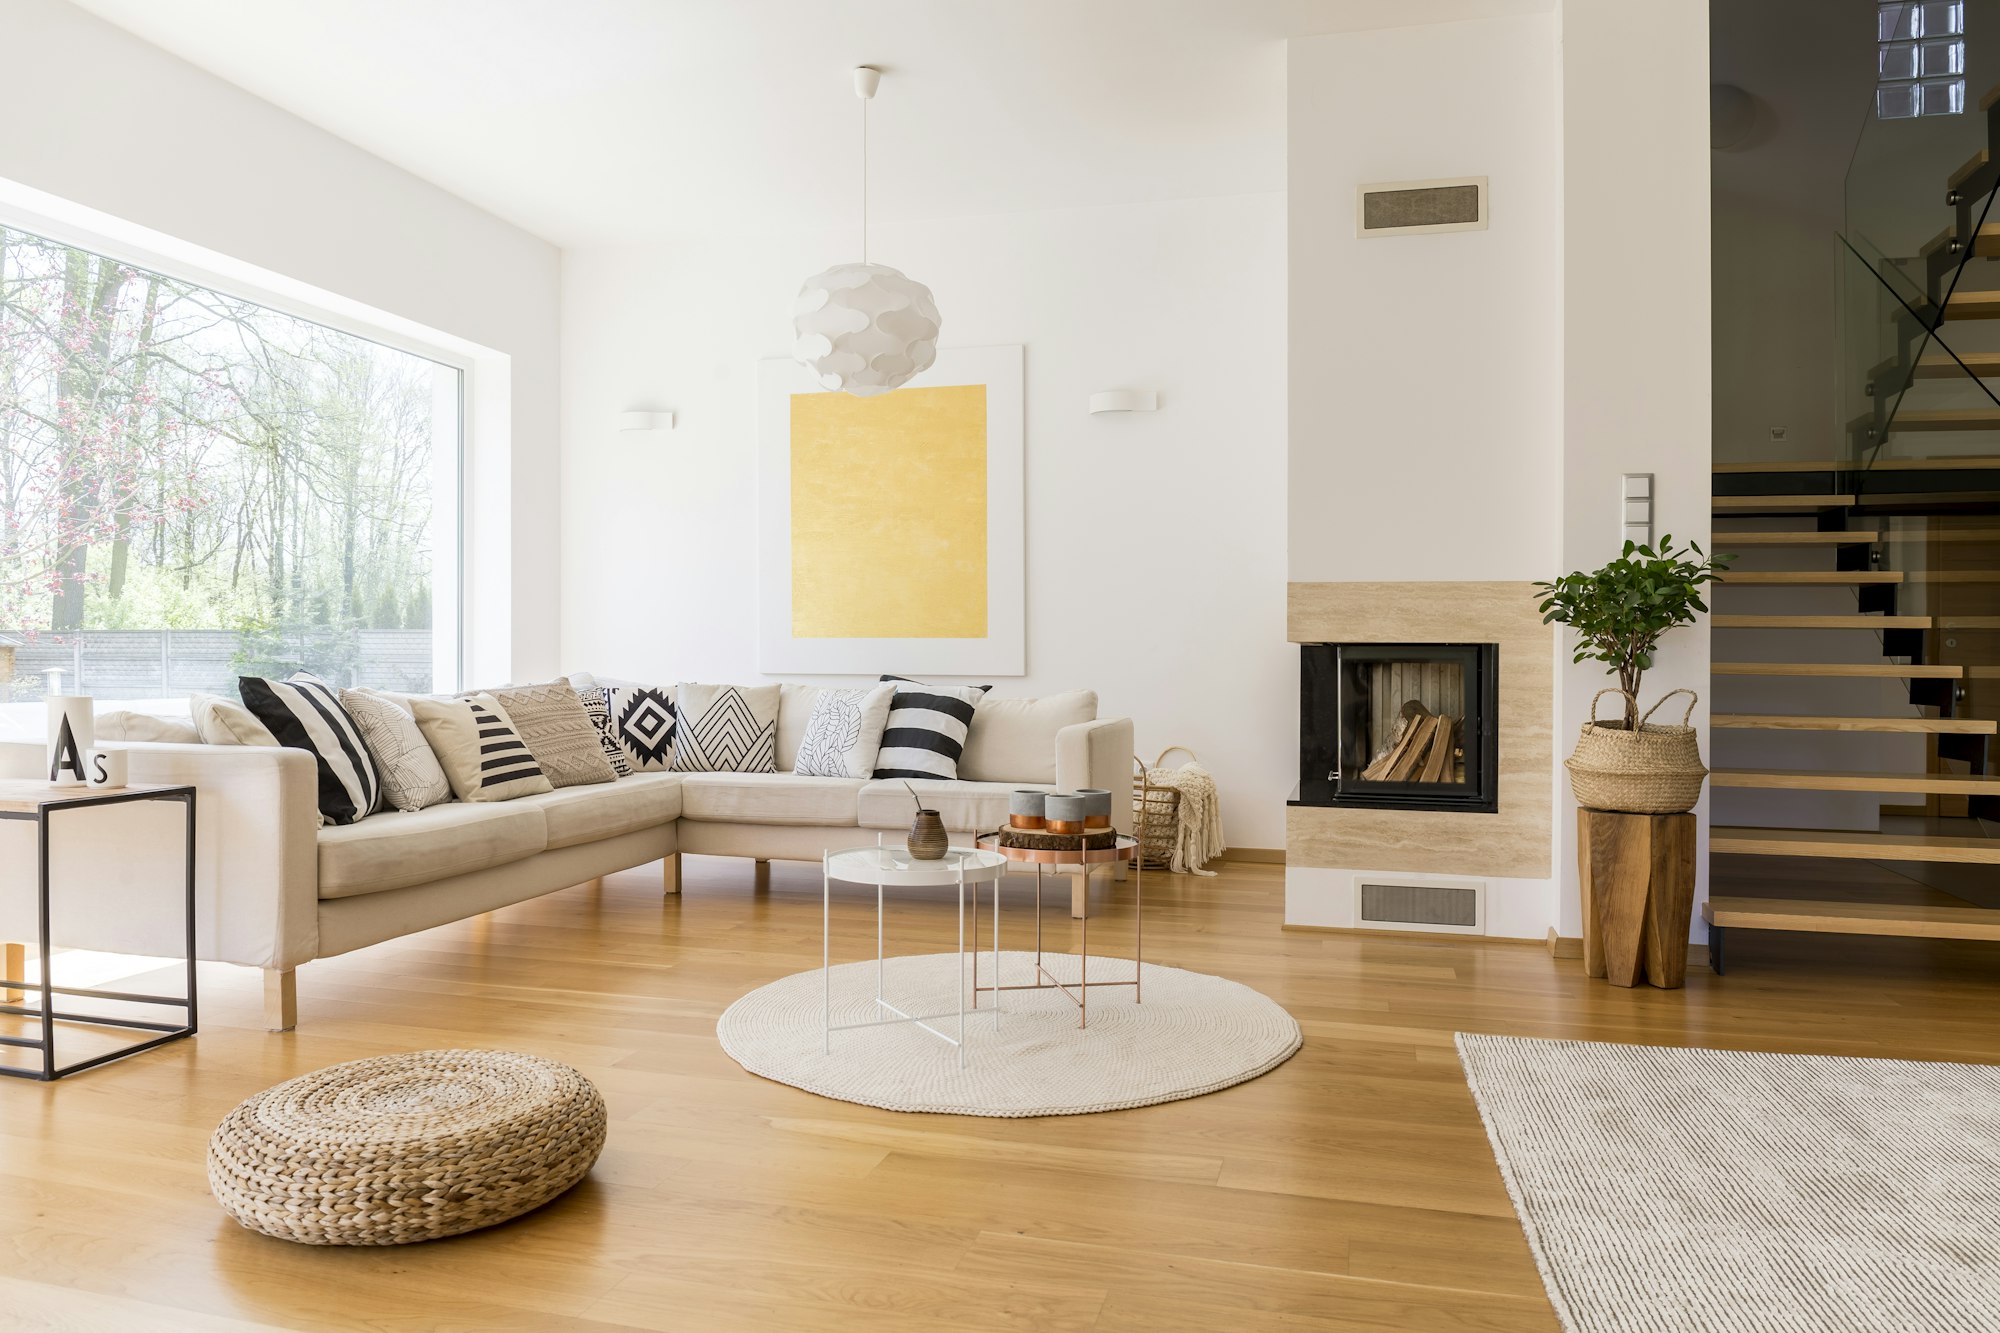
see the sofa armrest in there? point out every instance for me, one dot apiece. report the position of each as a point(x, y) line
point(256, 844)
point(1099, 754)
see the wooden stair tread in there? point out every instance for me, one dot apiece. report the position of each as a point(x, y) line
point(1969, 622)
point(1774, 503)
point(1970, 167)
point(1981, 364)
point(1985, 241)
point(1838, 918)
point(1931, 726)
point(1854, 845)
point(1972, 305)
point(1809, 576)
point(1803, 779)
point(1722, 541)
point(1823, 622)
point(1954, 576)
point(1869, 670)
point(1949, 418)
point(1970, 462)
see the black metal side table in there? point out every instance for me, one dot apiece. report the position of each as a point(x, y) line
point(35, 801)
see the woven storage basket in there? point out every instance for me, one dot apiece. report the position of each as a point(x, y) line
point(1655, 770)
point(404, 1148)
point(1156, 811)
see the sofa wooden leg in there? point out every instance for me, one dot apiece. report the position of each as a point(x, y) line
point(761, 877)
point(281, 999)
point(13, 967)
point(1079, 895)
point(670, 873)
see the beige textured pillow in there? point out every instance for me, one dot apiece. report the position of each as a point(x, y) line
point(411, 776)
point(1014, 740)
point(558, 732)
point(482, 755)
point(220, 721)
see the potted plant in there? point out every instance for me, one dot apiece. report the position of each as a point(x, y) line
point(1634, 779)
point(1620, 612)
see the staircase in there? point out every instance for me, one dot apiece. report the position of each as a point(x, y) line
point(1856, 681)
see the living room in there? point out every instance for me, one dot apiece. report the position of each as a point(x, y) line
point(674, 663)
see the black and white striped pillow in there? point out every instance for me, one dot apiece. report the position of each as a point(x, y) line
point(926, 730)
point(304, 713)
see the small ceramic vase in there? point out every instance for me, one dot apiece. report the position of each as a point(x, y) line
point(928, 840)
point(1027, 809)
point(1096, 807)
point(1066, 813)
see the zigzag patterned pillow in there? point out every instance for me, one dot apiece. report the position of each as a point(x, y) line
point(727, 729)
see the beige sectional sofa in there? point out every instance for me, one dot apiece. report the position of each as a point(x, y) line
point(275, 890)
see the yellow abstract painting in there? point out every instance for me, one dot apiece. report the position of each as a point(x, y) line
point(889, 511)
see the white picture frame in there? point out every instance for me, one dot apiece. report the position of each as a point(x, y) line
point(1003, 651)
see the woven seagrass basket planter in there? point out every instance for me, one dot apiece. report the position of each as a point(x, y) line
point(1654, 770)
point(404, 1148)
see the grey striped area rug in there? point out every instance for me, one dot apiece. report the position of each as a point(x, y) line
point(1692, 1191)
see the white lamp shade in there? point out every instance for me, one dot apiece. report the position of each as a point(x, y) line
point(864, 329)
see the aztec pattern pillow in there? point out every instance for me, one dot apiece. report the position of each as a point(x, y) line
point(550, 720)
point(304, 713)
point(843, 733)
point(727, 729)
point(926, 731)
point(481, 754)
point(597, 707)
point(645, 721)
point(411, 778)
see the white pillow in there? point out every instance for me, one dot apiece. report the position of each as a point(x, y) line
point(220, 721)
point(1014, 740)
point(844, 733)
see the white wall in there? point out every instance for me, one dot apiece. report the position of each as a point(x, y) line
point(98, 118)
point(1156, 542)
point(1426, 409)
point(1426, 420)
point(1635, 283)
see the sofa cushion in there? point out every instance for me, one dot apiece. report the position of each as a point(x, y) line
point(726, 728)
point(770, 798)
point(396, 850)
point(551, 722)
point(123, 725)
point(965, 807)
point(219, 721)
point(577, 815)
point(1014, 740)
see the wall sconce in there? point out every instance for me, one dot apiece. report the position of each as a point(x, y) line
point(1125, 400)
point(628, 421)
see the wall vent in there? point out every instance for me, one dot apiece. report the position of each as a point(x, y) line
point(1405, 208)
point(1451, 908)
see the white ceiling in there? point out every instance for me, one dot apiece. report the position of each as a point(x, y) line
point(603, 121)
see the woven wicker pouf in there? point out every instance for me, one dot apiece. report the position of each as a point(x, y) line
point(404, 1148)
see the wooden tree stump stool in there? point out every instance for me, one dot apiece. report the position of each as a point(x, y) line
point(1637, 875)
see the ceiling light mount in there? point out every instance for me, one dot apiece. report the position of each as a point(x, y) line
point(864, 328)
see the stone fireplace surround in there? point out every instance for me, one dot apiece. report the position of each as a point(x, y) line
point(1327, 849)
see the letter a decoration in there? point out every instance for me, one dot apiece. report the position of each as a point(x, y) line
point(66, 757)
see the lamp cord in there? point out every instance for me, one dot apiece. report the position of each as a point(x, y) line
point(864, 180)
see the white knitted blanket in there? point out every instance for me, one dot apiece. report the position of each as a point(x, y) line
point(1200, 834)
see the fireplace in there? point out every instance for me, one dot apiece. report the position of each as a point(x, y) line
point(1405, 726)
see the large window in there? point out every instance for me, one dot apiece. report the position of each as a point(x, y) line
point(194, 486)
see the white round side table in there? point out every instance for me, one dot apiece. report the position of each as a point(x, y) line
point(882, 866)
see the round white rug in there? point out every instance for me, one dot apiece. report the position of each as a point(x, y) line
point(1192, 1034)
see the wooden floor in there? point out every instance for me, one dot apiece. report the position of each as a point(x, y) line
point(1352, 1188)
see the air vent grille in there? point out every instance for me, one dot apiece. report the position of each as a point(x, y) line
point(1422, 906)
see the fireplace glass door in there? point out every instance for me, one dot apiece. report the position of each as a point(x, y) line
point(1406, 725)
